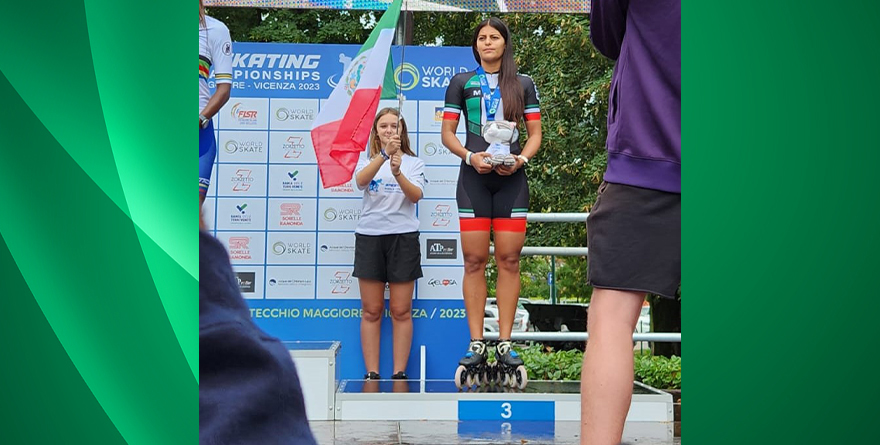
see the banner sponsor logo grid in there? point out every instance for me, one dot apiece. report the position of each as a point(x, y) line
point(266, 201)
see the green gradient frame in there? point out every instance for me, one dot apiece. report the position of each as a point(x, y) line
point(98, 253)
point(99, 247)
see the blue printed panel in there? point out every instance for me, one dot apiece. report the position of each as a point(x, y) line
point(506, 410)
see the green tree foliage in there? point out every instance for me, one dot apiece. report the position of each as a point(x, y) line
point(296, 25)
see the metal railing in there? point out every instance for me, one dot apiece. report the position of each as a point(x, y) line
point(671, 337)
point(554, 251)
point(557, 217)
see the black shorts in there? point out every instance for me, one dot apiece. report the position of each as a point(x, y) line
point(492, 200)
point(388, 258)
point(634, 240)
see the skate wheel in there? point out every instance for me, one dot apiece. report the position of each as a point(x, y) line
point(460, 376)
point(522, 377)
point(471, 380)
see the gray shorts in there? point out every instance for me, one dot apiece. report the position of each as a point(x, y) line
point(634, 240)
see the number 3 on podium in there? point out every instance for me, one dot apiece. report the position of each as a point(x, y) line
point(506, 413)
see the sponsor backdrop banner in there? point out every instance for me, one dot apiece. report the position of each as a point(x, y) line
point(565, 6)
point(291, 242)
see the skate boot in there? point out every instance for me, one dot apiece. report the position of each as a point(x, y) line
point(507, 160)
point(472, 368)
point(510, 369)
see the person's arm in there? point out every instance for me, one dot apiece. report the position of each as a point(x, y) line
point(217, 100)
point(608, 25)
point(409, 183)
point(451, 115)
point(532, 116)
point(221, 57)
point(366, 170)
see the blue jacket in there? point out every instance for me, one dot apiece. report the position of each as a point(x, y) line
point(249, 392)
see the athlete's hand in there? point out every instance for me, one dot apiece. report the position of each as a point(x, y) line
point(393, 145)
point(395, 164)
point(507, 171)
point(478, 162)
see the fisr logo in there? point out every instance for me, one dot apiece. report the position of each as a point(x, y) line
point(239, 113)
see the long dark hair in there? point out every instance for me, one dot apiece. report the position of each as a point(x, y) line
point(511, 90)
point(376, 143)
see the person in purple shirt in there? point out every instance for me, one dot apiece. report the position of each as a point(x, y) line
point(634, 227)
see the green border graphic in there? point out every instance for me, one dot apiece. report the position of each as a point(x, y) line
point(98, 297)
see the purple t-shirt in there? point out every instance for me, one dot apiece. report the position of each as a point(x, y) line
point(644, 110)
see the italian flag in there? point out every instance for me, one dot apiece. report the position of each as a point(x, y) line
point(341, 130)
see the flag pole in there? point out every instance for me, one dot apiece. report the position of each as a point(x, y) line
point(402, 59)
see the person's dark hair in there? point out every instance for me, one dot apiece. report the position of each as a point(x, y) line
point(376, 143)
point(511, 89)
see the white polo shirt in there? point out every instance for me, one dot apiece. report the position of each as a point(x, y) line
point(215, 54)
point(386, 209)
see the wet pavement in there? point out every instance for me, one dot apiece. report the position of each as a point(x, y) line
point(418, 432)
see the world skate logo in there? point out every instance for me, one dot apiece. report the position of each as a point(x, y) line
point(290, 214)
point(281, 248)
point(239, 248)
point(445, 282)
point(295, 114)
point(341, 282)
point(242, 180)
point(432, 149)
point(408, 72)
point(442, 215)
point(332, 214)
point(232, 146)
